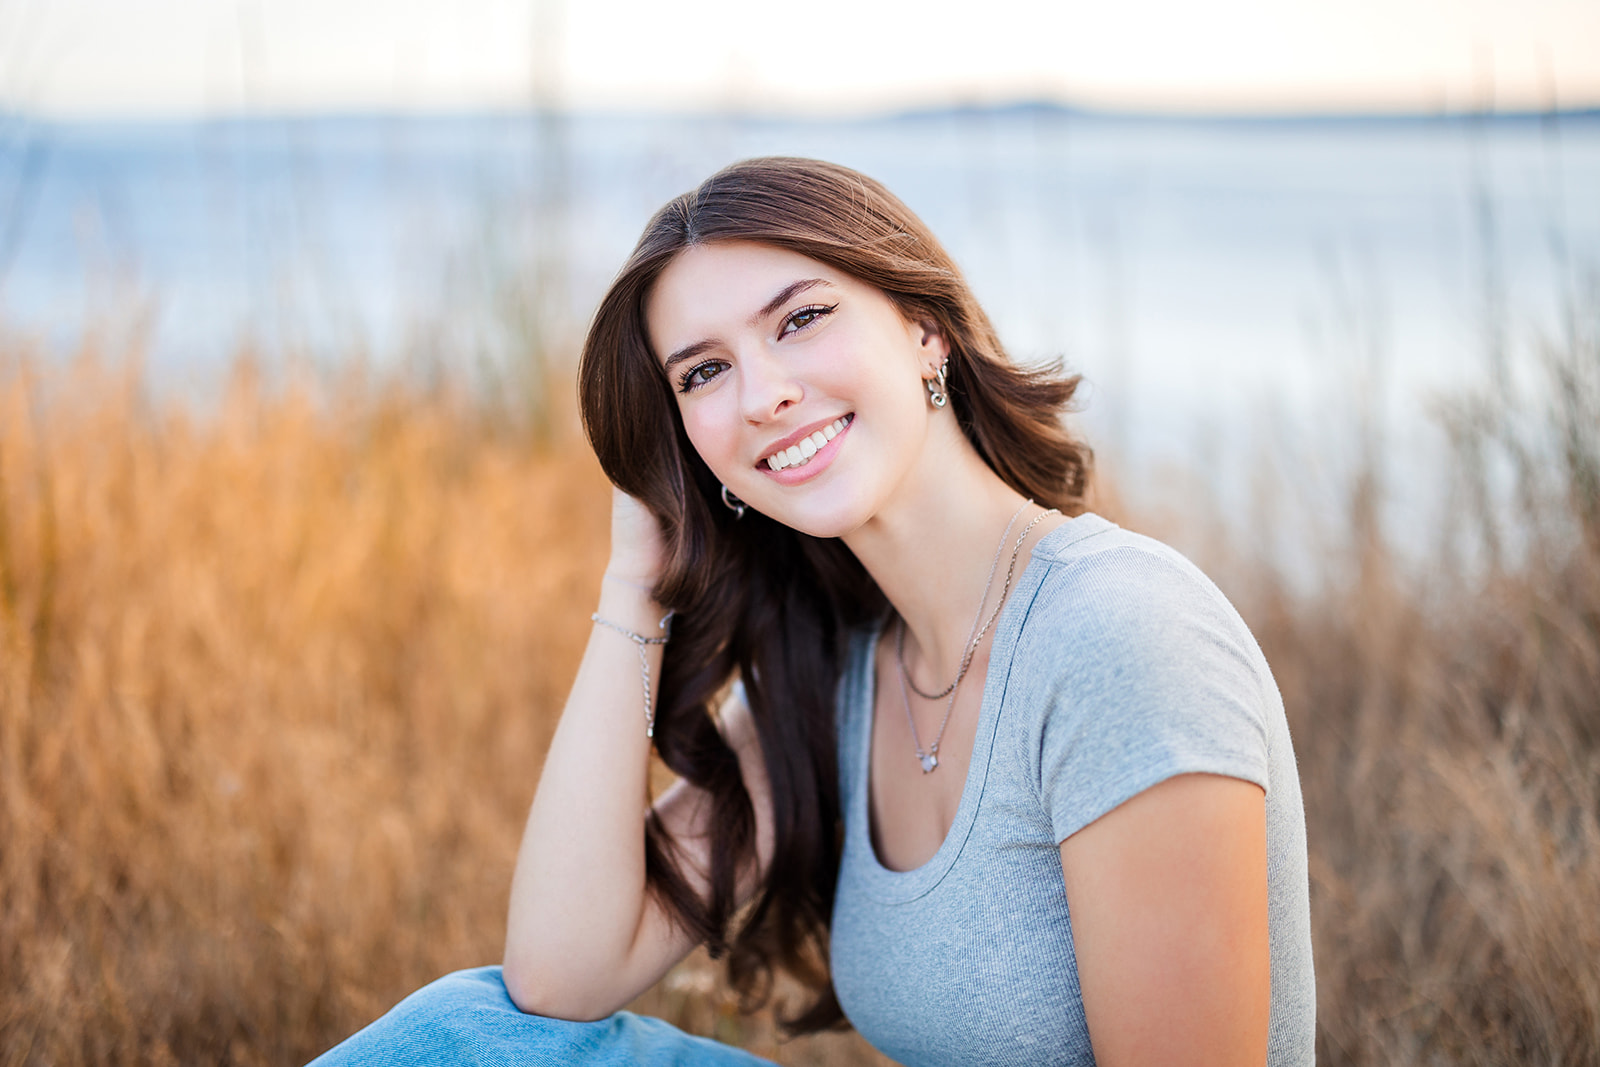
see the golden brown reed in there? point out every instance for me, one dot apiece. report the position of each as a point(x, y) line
point(276, 680)
point(1446, 719)
point(275, 686)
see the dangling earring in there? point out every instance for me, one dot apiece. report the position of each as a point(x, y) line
point(732, 503)
point(936, 387)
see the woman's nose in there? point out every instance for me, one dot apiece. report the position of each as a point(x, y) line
point(767, 385)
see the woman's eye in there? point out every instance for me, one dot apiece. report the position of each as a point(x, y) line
point(699, 375)
point(806, 317)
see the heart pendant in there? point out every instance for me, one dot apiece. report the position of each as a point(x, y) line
point(929, 762)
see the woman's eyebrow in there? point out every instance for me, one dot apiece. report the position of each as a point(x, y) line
point(687, 352)
point(784, 295)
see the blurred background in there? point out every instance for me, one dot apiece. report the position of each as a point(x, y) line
point(296, 525)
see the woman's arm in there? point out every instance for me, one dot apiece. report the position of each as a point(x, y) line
point(583, 937)
point(1168, 898)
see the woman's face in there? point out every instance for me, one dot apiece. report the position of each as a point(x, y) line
point(799, 386)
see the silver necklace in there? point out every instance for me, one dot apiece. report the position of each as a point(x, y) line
point(974, 635)
point(930, 758)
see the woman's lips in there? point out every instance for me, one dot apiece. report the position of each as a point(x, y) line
point(808, 466)
point(802, 448)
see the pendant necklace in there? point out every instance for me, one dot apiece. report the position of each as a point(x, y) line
point(930, 758)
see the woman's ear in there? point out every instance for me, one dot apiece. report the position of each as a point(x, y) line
point(933, 343)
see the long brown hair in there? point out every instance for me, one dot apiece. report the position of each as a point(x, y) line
point(756, 598)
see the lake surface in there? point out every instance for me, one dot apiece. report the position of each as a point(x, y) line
point(1200, 273)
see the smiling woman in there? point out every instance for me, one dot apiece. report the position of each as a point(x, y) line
point(1091, 852)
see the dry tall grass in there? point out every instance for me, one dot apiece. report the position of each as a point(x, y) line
point(1447, 721)
point(275, 685)
point(275, 682)
point(1446, 718)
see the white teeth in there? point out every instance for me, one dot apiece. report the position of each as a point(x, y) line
point(800, 454)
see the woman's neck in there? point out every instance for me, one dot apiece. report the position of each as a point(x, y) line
point(931, 547)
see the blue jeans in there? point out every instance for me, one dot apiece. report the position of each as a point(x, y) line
point(468, 1018)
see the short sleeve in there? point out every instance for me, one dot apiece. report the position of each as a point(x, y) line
point(1143, 671)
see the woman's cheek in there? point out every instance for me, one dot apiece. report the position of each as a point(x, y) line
point(712, 440)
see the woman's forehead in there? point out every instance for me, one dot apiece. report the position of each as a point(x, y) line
point(709, 289)
point(733, 269)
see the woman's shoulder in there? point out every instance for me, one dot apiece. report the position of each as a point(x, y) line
point(1101, 577)
point(1117, 621)
point(1090, 539)
point(1130, 667)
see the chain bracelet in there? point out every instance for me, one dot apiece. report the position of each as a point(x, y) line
point(640, 641)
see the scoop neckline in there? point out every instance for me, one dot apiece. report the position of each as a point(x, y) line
point(892, 886)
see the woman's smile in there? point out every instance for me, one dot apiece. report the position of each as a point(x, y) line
point(806, 453)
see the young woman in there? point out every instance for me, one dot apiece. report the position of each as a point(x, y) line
point(1004, 782)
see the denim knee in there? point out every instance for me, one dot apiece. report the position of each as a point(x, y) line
point(468, 1018)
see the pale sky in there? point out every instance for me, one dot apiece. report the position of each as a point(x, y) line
point(207, 57)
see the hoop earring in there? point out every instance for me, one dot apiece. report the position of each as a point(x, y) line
point(938, 395)
point(733, 503)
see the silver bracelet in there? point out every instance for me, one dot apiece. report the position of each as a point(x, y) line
point(640, 641)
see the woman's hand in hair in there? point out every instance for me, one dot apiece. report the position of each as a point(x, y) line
point(637, 547)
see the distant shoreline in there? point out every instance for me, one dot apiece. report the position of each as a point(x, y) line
point(1044, 109)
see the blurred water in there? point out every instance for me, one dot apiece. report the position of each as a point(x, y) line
point(1201, 273)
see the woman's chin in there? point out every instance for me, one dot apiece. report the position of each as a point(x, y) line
point(826, 522)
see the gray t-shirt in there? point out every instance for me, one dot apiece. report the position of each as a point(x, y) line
point(1116, 664)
